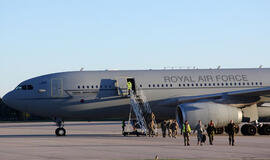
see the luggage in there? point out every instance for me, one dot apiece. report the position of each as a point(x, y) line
point(203, 138)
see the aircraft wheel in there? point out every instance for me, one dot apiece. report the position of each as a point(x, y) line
point(260, 130)
point(60, 132)
point(266, 129)
point(248, 130)
point(243, 129)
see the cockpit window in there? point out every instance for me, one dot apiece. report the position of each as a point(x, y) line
point(25, 87)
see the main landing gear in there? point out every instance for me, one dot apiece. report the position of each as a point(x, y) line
point(252, 128)
point(60, 131)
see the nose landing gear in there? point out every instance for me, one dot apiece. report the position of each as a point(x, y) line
point(60, 131)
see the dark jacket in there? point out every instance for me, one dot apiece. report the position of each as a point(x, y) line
point(210, 129)
point(231, 128)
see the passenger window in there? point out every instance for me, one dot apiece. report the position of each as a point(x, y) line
point(162, 85)
point(209, 84)
point(157, 85)
point(105, 86)
point(260, 83)
point(30, 87)
point(192, 84)
point(197, 84)
point(248, 83)
point(79, 87)
point(179, 85)
point(24, 87)
point(87, 86)
point(188, 85)
point(256, 83)
point(235, 84)
point(184, 85)
point(141, 86)
point(166, 85)
point(171, 85)
point(96, 86)
point(214, 84)
point(244, 84)
point(92, 86)
point(217, 84)
point(201, 85)
point(239, 84)
point(205, 84)
point(149, 85)
point(153, 85)
point(82, 86)
point(230, 84)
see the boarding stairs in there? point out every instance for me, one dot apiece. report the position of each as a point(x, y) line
point(143, 112)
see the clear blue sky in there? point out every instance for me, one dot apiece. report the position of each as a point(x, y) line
point(40, 37)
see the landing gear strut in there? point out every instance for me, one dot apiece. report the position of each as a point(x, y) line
point(60, 131)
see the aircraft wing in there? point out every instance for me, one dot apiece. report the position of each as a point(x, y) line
point(256, 92)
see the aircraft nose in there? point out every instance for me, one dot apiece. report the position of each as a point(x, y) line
point(6, 99)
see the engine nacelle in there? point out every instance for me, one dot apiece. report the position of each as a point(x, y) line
point(221, 114)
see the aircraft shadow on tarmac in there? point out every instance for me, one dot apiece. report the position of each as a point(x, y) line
point(52, 135)
point(48, 125)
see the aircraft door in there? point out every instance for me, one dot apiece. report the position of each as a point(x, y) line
point(122, 88)
point(57, 87)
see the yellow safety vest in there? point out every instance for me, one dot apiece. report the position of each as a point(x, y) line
point(188, 128)
point(129, 85)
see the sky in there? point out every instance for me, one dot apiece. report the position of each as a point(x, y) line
point(47, 36)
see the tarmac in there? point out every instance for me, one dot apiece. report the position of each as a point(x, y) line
point(103, 141)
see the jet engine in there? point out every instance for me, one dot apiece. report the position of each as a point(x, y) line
point(221, 114)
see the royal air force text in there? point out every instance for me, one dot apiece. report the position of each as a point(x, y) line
point(205, 78)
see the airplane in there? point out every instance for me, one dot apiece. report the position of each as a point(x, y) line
point(220, 95)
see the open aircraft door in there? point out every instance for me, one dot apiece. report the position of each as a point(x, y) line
point(121, 84)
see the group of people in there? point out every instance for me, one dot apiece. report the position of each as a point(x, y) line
point(210, 129)
point(170, 126)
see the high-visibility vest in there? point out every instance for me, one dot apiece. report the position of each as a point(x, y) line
point(129, 85)
point(188, 128)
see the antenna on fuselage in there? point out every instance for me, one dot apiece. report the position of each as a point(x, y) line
point(81, 69)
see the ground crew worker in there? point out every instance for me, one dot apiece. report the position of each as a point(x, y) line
point(199, 130)
point(231, 130)
point(123, 126)
point(210, 131)
point(186, 131)
point(163, 128)
point(129, 86)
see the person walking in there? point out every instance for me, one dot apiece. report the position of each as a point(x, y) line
point(168, 126)
point(199, 129)
point(186, 131)
point(163, 129)
point(123, 126)
point(210, 131)
point(173, 128)
point(231, 130)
